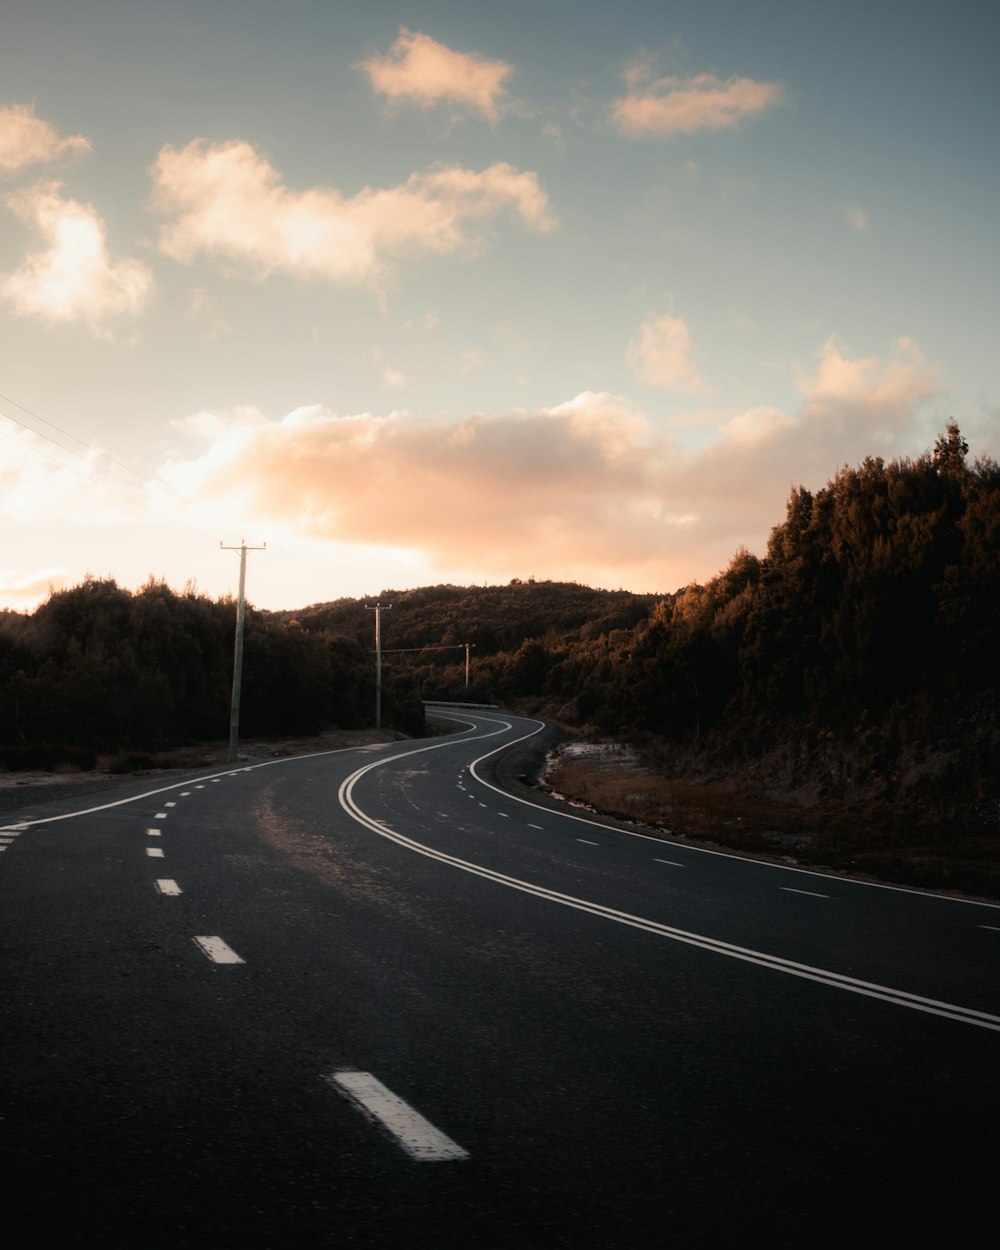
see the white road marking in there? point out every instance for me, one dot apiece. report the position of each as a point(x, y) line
point(992, 927)
point(672, 862)
point(824, 976)
point(154, 852)
point(505, 815)
point(3, 848)
point(414, 1134)
point(588, 842)
point(160, 816)
point(216, 780)
point(812, 893)
point(153, 833)
point(185, 794)
point(218, 952)
point(166, 886)
point(6, 841)
point(170, 804)
point(199, 787)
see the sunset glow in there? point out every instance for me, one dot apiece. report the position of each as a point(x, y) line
point(461, 293)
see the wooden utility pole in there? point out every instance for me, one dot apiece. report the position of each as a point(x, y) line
point(378, 609)
point(234, 707)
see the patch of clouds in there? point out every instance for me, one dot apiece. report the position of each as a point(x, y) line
point(661, 107)
point(24, 590)
point(227, 202)
point(27, 140)
point(660, 354)
point(592, 489)
point(72, 277)
point(419, 70)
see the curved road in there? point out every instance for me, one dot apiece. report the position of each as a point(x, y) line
point(369, 998)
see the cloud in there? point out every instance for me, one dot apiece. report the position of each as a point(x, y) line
point(660, 354)
point(28, 140)
point(590, 489)
point(662, 107)
point(27, 589)
point(228, 203)
point(419, 70)
point(72, 277)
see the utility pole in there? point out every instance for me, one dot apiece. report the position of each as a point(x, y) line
point(468, 647)
point(241, 604)
point(378, 609)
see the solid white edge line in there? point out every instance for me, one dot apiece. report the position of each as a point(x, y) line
point(901, 998)
point(702, 850)
point(412, 1132)
point(791, 890)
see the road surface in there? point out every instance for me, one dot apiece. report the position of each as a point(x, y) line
point(368, 998)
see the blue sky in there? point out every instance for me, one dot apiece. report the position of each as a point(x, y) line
point(461, 292)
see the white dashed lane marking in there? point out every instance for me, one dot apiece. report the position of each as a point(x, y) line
point(812, 894)
point(218, 951)
point(167, 886)
point(154, 852)
point(412, 1132)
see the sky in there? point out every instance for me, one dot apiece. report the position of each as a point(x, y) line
point(454, 292)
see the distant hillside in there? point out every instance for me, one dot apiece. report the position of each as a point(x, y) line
point(495, 618)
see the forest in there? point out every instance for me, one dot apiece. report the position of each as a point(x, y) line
point(857, 656)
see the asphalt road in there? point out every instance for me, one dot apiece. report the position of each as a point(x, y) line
point(456, 1019)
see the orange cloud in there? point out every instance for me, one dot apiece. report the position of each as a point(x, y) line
point(227, 202)
point(662, 107)
point(591, 489)
point(419, 70)
point(29, 588)
point(28, 140)
point(660, 354)
point(72, 277)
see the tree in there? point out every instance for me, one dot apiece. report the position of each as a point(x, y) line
point(950, 451)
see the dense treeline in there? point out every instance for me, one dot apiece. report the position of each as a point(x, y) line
point(867, 638)
point(101, 668)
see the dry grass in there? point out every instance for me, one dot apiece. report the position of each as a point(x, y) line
point(850, 839)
